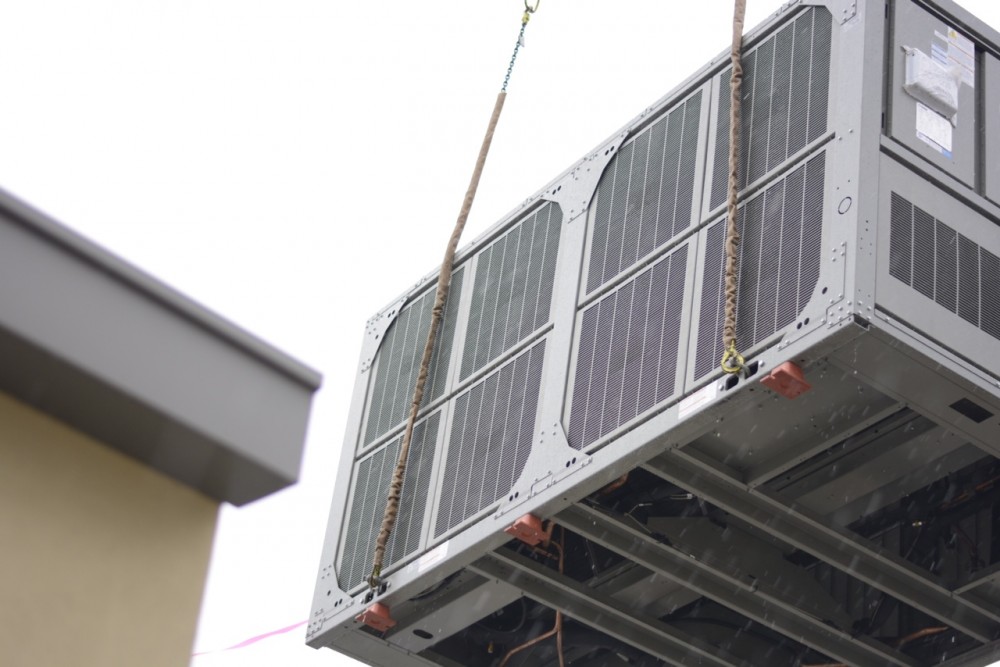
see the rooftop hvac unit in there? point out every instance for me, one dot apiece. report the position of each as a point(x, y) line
point(576, 398)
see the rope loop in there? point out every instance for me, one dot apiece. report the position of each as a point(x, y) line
point(732, 361)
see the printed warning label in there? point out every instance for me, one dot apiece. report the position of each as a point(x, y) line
point(934, 129)
point(954, 50)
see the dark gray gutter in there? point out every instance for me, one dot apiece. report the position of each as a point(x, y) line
point(105, 348)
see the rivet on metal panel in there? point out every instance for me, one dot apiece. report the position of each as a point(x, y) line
point(786, 380)
point(376, 617)
point(528, 529)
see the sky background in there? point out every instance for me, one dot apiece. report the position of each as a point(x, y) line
point(296, 165)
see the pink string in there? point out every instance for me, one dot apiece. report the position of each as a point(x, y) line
point(254, 640)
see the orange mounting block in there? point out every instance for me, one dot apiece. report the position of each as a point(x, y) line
point(528, 529)
point(786, 380)
point(376, 617)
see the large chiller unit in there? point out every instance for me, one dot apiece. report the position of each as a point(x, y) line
point(847, 515)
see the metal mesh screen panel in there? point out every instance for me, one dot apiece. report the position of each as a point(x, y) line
point(371, 489)
point(491, 437)
point(398, 361)
point(628, 349)
point(780, 232)
point(786, 82)
point(645, 195)
point(512, 294)
point(944, 266)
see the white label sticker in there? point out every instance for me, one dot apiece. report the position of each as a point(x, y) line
point(697, 400)
point(956, 51)
point(432, 557)
point(934, 129)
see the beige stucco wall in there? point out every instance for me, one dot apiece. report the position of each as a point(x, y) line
point(102, 560)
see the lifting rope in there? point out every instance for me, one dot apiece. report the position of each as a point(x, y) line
point(444, 283)
point(732, 360)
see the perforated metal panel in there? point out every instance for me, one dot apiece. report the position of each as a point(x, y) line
point(628, 349)
point(786, 82)
point(944, 266)
point(398, 361)
point(490, 438)
point(781, 232)
point(371, 487)
point(645, 195)
point(512, 295)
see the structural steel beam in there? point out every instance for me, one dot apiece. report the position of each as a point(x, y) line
point(600, 612)
point(846, 551)
point(779, 615)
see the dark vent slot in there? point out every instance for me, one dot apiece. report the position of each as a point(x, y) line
point(972, 410)
point(491, 437)
point(786, 83)
point(512, 295)
point(627, 356)
point(781, 233)
point(398, 361)
point(645, 196)
point(943, 265)
point(372, 487)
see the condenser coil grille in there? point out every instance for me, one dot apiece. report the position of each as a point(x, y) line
point(786, 82)
point(491, 437)
point(944, 266)
point(645, 195)
point(512, 295)
point(628, 349)
point(370, 492)
point(781, 234)
point(398, 361)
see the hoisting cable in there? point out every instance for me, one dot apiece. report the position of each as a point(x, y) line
point(732, 360)
point(444, 283)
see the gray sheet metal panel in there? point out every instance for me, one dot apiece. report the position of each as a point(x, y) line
point(991, 124)
point(105, 348)
point(914, 27)
point(939, 266)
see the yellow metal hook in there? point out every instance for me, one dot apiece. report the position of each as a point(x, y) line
point(732, 361)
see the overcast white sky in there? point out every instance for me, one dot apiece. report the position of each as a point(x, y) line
point(296, 165)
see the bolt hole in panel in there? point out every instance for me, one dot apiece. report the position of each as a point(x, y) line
point(786, 81)
point(371, 484)
point(398, 360)
point(779, 263)
point(645, 195)
point(512, 294)
point(490, 439)
point(627, 351)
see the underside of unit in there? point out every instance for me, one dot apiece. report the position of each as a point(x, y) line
point(587, 488)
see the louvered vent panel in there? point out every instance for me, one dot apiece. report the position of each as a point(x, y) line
point(512, 295)
point(398, 361)
point(627, 354)
point(371, 489)
point(490, 438)
point(944, 266)
point(644, 197)
point(779, 261)
point(786, 82)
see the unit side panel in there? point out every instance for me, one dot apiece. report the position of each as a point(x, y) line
point(629, 351)
point(785, 108)
point(780, 259)
point(940, 130)
point(646, 197)
point(991, 123)
point(939, 267)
